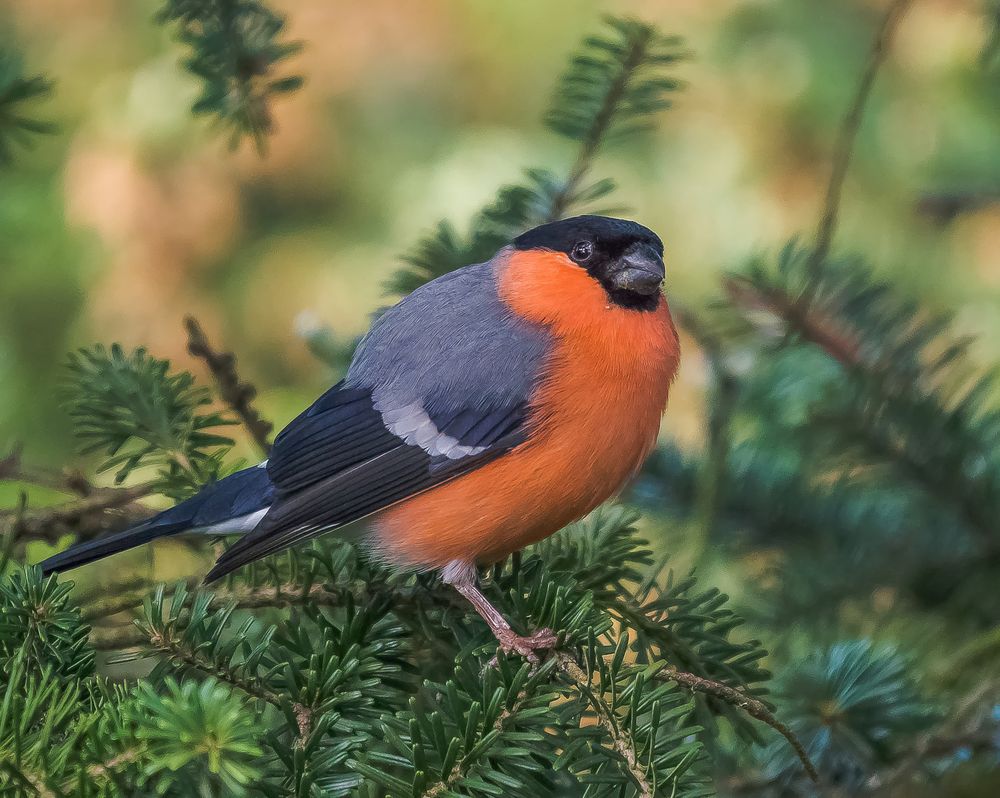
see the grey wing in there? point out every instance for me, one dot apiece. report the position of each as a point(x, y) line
point(440, 386)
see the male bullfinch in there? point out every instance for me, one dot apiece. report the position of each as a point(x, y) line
point(485, 411)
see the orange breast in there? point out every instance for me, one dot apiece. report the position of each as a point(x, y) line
point(593, 420)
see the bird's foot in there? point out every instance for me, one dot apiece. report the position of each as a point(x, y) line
point(527, 647)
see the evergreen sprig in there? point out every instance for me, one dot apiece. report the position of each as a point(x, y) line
point(137, 413)
point(236, 48)
point(18, 93)
point(856, 706)
point(332, 677)
point(39, 624)
point(196, 733)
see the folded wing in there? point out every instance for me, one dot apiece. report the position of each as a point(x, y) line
point(440, 386)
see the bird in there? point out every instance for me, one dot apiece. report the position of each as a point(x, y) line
point(483, 412)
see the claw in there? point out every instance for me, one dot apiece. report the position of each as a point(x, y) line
point(512, 643)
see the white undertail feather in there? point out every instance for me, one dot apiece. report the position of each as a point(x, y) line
point(232, 526)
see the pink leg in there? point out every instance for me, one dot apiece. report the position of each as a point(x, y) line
point(462, 576)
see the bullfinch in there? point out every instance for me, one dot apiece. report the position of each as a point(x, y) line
point(482, 413)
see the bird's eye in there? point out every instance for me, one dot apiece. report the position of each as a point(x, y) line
point(582, 251)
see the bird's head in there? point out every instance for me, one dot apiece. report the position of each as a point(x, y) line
point(624, 257)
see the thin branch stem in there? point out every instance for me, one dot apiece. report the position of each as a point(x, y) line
point(13, 469)
point(963, 729)
point(237, 394)
point(752, 706)
point(103, 510)
point(177, 651)
point(844, 148)
point(106, 768)
point(723, 394)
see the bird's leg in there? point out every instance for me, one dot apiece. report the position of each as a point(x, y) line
point(462, 576)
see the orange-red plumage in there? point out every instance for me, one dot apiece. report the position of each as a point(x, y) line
point(593, 420)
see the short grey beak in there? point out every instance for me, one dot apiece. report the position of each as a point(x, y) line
point(640, 270)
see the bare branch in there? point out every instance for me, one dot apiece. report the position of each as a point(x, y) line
point(848, 134)
point(237, 394)
point(103, 510)
point(752, 706)
point(13, 469)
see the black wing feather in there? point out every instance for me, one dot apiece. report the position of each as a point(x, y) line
point(330, 474)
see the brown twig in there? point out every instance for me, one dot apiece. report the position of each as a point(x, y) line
point(752, 706)
point(809, 322)
point(943, 207)
point(723, 394)
point(96, 511)
point(844, 148)
point(104, 769)
point(237, 394)
point(103, 510)
point(13, 469)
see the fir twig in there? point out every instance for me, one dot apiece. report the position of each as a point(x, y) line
point(242, 597)
point(612, 88)
point(130, 407)
point(442, 787)
point(173, 649)
point(235, 50)
point(237, 394)
point(635, 50)
point(621, 741)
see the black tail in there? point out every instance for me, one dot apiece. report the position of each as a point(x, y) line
point(237, 496)
point(83, 553)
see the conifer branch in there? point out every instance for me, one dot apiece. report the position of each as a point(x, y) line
point(242, 597)
point(633, 54)
point(133, 409)
point(442, 787)
point(176, 651)
point(237, 394)
point(621, 741)
point(235, 50)
point(612, 88)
